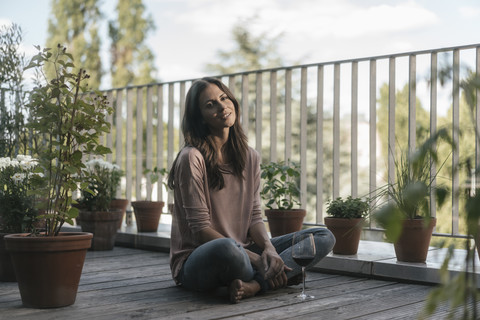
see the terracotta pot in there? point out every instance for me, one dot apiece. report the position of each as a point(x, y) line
point(347, 233)
point(7, 274)
point(412, 246)
point(122, 205)
point(48, 269)
point(103, 225)
point(283, 222)
point(147, 214)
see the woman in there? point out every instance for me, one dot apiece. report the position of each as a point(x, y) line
point(218, 237)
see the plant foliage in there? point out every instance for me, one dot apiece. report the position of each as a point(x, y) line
point(103, 180)
point(280, 188)
point(349, 208)
point(67, 122)
point(409, 196)
point(17, 203)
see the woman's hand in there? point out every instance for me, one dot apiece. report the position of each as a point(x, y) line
point(274, 268)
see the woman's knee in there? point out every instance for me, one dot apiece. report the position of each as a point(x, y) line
point(324, 238)
point(225, 251)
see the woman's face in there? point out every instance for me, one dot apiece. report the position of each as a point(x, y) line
point(218, 111)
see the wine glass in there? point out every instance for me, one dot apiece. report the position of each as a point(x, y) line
point(303, 253)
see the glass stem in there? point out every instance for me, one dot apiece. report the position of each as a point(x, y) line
point(303, 276)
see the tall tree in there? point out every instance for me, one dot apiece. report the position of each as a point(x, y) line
point(74, 24)
point(13, 132)
point(251, 52)
point(132, 61)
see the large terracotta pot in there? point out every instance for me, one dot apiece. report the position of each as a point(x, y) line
point(147, 215)
point(347, 233)
point(7, 274)
point(283, 222)
point(120, 204)
point(412, 246)
point(48, 269)
point(103, 225)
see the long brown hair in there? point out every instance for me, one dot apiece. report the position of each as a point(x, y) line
point(197, 134)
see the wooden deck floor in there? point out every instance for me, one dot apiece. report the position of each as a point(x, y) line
point(135, 284)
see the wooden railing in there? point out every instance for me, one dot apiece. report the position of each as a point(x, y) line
point(327, 116)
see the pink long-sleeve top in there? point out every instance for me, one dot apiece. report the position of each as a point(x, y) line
point(230, 211)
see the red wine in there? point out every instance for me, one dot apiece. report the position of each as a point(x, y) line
point(303, 261)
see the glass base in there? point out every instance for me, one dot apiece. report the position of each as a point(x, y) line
point(304, 296)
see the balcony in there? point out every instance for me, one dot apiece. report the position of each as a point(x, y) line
point(338, 120)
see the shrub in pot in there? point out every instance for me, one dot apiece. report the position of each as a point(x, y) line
point(148, 212)
point(96, 214)
point(407, 216)
point(17, 210)
point(281, 192)
point(66, 125)
point(345, 220)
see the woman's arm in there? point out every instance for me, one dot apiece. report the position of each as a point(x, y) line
point(207, 234)
point(271, 264)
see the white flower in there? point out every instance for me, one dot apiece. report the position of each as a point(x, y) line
point(31, 174)
point(14, 163)
point(4, 162)
point(96, 164)
point(28, 164)
point(18, 177)
point(24, 158)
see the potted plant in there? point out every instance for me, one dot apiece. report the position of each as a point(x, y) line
point(66, 125)
point(345, 220)
point(17, 210)
point(148, 212)
point(280, 191)
point(407, 216)
point(96, 213)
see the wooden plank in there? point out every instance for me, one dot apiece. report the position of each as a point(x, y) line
point(128, 283)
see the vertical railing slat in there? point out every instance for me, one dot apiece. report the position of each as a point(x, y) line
point(354, 132)
point(303, 137)
point(171, 121)
point(319, 146)
point(372, 129)
point(258, 112)
point(149, 138)
point(119, 143)
point(391, 121)
point(160, 135)
point(336, 131)
point(231, 84)
point(455, 134)
point(245, 105)
point(273, 116)
point(139, 146)
point(288, 114)
point(109, 138)
point(433, 128)
point(182, 112)
point(412, 103)
point(129, 145)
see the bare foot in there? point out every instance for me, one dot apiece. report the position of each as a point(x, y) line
point(239, 290)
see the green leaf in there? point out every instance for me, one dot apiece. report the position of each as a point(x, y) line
point(390, 218)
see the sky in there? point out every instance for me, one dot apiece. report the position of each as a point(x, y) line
point(189, 33)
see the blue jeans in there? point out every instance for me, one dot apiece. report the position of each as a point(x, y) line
point(218, 262)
